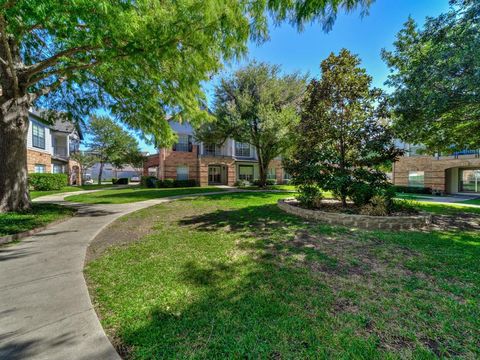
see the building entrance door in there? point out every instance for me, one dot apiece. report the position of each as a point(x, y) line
point(214, 174)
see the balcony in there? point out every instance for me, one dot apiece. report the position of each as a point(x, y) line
point(60, 151)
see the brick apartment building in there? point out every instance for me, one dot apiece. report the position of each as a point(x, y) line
point(452, 174)
point(209, 164)
point(49, 147)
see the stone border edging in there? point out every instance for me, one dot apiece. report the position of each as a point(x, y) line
point(366, 222)
point(7, 239)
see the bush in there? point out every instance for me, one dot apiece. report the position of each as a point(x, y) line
point(378, 206)
point(309, 196)
point(412, 189)
point(361, 193)
point(47, 182)
point(242, 183)
point(148, 181)
point(114, 181)
point(184, 183)
point(167, 183)
point(268, 182)
point(121, 181)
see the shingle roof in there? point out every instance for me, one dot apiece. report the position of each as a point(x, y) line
point(60, 123)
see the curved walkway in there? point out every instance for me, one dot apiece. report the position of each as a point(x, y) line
point(45, 307)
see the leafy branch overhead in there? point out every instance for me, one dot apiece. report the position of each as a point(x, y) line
point(436, 79)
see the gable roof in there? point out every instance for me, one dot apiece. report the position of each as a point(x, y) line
point(60, 124)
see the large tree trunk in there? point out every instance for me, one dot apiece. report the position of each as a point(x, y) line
point(13, 159)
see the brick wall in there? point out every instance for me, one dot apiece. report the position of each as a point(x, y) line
point(37, 157)
point(435, 169)
point(228, 162)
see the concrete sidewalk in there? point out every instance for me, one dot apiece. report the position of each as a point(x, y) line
point(45, 308)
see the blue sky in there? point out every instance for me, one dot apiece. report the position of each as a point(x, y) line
point(303, 51)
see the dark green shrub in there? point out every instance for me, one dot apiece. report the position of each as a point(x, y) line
point(114, 181)
point(242, 183)
point(121, 181)
point(361, 193)
point(309, 196)
point(268, 182)
point(412, 189)
point(167, 183)
point(148, 181)
point(184, 183)
point(47, 182)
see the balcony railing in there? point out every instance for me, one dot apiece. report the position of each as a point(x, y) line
point(457, 154)
point(183, 147)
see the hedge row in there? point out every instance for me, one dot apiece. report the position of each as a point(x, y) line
point(412, 189)
point(47, 182)
point(120, 181)
point(153, 182)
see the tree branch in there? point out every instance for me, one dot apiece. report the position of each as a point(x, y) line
point(36, 68)
point(48, 89)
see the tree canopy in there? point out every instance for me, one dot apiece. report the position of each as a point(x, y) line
point(141, 60)
point(110, 143)
point(259, 106)
point(341, 140)
point(436, 79)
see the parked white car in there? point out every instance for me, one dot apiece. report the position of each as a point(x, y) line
point(135, 179)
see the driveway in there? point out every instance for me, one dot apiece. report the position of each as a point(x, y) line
point(45, 308)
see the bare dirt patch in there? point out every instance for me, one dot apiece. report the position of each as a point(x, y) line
point(460, 221)
point(120, 233)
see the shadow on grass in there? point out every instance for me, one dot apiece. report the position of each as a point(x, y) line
point(267, 300)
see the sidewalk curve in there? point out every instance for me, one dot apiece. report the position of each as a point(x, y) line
point(45, 308)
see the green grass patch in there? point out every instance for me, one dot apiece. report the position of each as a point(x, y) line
point(283, 187)
point(36, 194)
point(472, 201)
point(232, 276)
point(122, 196)
point(39, 215)
point(444, 209)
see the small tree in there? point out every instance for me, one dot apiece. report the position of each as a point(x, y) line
point(84, 159)
point(341, 140)
point(110, 143)
point(258, 106)
point(136, 159)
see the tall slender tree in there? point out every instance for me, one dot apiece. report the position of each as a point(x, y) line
point(140, 59)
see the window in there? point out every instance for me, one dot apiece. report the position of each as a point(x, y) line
point(271, 173)
point(245, 172)
point(38, 136)
point(184, 143)
point(182, 172)
point(242, 149)
point(209, 149)
point(57, 169)
point(416, 178)
point(40, 168)
point(152, 171)
point(286, 176)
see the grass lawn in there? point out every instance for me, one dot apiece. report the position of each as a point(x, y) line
point(450, 209)
point(40, 215)
point(232, 276)
point(473, 201)
point(122, 196)
point(36, 194)
point(283, 187)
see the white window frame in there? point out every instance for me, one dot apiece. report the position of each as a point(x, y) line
point(40, 166)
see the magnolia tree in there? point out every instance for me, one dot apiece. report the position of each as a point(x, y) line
point(259, 106)
point(342, 140)
point(138, 59)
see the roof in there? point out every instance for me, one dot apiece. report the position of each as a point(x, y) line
point(60, 123)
